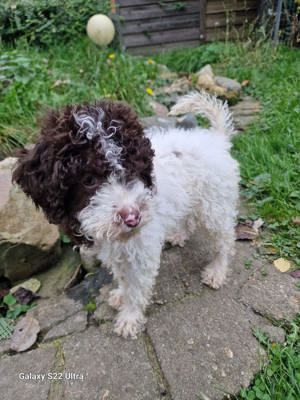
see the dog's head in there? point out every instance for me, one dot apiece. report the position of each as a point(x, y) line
point(90, 171)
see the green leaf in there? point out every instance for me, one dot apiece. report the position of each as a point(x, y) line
point(9, 300)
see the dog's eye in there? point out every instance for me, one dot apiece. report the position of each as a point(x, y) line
point(90, 181)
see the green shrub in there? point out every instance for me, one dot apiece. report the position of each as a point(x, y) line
point(44, 22)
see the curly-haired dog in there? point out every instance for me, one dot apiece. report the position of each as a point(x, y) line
point(123, 193)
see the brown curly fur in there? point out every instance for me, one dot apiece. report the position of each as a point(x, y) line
point(57, 172)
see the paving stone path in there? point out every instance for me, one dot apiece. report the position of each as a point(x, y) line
point(198, 342)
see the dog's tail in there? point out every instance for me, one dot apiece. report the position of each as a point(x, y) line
point(208, 106)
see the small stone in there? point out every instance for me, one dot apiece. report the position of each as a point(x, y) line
point(159, 109)
point(231, 85)
point(187, 122)
point(228, 352)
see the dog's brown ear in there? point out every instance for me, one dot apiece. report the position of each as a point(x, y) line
point(37, 173)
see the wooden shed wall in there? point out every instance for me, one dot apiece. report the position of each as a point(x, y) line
point(146, 26)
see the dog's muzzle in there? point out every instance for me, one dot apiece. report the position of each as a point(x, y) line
point(130, 216)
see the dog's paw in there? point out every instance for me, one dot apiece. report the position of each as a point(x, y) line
point(115, 299)
point(213, 277)
point(129, 324)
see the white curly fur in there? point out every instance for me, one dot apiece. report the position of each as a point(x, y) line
point(196, 188)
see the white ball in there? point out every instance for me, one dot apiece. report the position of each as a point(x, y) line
point(100, 29)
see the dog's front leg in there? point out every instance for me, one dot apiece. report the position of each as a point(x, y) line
point(136, 277)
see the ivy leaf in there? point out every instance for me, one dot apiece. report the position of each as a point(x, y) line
point(9, 300)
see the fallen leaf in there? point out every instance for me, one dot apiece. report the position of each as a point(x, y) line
point(248, 229)
point(75, 278)
point(282, 265)
point(25, 334)
point(244, 232)
point(31, 284)
point(296, 274)
point(25, 296)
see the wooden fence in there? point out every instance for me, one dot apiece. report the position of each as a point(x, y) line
point(147, 26)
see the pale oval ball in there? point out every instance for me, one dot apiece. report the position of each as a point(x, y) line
point(100, 29)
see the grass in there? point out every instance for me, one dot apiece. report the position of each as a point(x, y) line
point(280, 378)
point(32, 79)
point(269, 152)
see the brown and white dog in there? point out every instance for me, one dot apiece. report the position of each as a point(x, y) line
point(123, 192)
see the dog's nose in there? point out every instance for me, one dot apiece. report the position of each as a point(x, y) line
point(131, 216)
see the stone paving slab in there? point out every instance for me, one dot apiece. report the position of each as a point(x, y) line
point(12, 387)
point(205, 344)
point(273, 295)
point(50, 312)
point(75, 323)
point(111, 366)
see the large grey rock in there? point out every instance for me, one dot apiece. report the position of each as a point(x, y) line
point(205, 346)
point(111, 366)
point(34, 362)
point(28, 243)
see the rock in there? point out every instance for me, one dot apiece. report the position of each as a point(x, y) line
point(57, 277)
point(230, 85)
point(219, 85)
point(188, 121)
point(14, 370)
point(74, 324)
point(161, 122)
point(181, 85)
point(159, 109)
point(28, 243)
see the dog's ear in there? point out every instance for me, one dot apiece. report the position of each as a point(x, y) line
point(41, 177)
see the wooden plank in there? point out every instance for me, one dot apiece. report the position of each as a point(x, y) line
point(155, 10)
point(133, 3)
point(216, 34)
point(230, 5)
point(222, 20)
point(155, 38)
point(147, 50)
point(161, 24)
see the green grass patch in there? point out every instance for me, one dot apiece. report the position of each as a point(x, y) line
point(280, 377)
point(32, 79)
